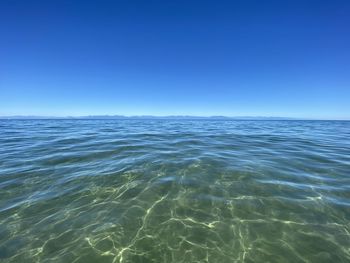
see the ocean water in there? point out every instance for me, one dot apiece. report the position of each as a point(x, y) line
point(174, 191)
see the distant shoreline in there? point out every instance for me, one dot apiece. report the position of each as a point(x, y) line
point(147, 117)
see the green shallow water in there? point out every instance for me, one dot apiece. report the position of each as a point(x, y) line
point(174, 191)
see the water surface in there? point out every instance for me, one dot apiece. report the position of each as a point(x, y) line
point(174, 191)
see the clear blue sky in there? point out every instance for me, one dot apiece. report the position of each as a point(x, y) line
point(266, 58)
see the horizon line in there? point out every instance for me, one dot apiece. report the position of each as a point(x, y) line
point(116, 116)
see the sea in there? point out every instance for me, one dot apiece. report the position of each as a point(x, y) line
point(152, 190)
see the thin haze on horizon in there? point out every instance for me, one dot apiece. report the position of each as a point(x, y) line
point(200, 58)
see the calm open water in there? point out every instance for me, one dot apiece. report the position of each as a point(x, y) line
point(174, 191)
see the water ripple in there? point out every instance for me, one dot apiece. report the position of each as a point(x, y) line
point(174, 191)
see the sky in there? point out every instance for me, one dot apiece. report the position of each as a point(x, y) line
point(231, 58)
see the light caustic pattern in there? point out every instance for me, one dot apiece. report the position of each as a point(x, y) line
point(174, 191)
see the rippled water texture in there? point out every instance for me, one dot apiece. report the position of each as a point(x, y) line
point(174, 191)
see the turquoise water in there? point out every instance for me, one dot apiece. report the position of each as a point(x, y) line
point(174, 191)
